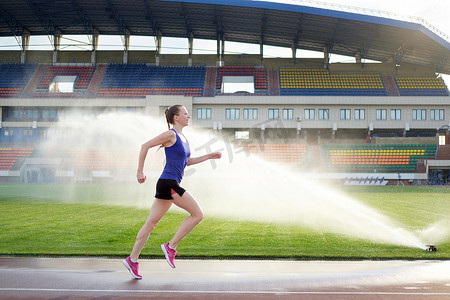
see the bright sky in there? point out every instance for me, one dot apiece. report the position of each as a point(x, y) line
point(435, 12)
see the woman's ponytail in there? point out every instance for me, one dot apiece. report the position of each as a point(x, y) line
point(166, 113)
point(171, 112)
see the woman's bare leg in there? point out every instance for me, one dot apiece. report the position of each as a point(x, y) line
point(188, 203)
point(158, 210)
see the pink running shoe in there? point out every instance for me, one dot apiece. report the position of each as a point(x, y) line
point(132, 267)
point(170, 254)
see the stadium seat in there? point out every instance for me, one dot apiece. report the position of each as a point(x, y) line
point(14, 77)
point(387, 157)
point(9, 156)
point(421, 86)
point(317, 82)
point(139, 80)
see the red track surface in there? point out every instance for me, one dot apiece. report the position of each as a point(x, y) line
point(97, 278)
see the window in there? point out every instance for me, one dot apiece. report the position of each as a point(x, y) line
point(203, 113)
point(345, 114)
point(232, 113)
point(381, 114)
point(396, 114)
point(238, 84)
point(15, 114)
point(27, 114)
point(309, 114)
point(274, 113)
point(49, 114)
point(250, 113)
point(419, 114)
point(28, 132)
point(324, 114)
point(31, 114)
point(62, 84)
point(8, 132)
point(437, 114)
point(288, 114)
point(360, 114)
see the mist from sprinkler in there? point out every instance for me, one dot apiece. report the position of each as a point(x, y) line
point(240, 186)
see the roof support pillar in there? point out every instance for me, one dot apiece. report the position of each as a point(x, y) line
point(95, 35)
point(294, 52)
point(56, 46)
point(222, 55)
point(191, 46)
point(220, 48)
point(261, 49)
point(24, 45)
point(296, 38)
point(158, 41)
point(261, 38)
point(126, 46)
point(326, 57)
point(218, 52)
point(220, 35)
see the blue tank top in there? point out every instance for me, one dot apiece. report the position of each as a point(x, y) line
point(176, 159)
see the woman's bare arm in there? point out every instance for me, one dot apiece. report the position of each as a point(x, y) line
point(196, 160)
point(165, 139)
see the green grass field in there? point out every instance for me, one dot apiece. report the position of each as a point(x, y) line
point(91, 220)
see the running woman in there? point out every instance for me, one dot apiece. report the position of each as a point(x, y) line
point(168, 189)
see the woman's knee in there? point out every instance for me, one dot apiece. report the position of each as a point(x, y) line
point(196, 212)
point(151, 223)
point(198, 216)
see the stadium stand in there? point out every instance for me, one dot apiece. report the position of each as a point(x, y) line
point(315, 82)
point(379, 158)
point(14, 77)
point(421, 86)
point(280, 153)
point(139, 80)
point(9, 156)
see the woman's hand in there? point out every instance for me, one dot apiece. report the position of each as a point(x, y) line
point(141, 177)
point(215, 155)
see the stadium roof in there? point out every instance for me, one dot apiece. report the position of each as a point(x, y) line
point(270, 23)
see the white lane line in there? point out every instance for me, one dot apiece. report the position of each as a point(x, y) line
point(221, 292)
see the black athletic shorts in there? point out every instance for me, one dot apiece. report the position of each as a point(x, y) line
point(165, 188)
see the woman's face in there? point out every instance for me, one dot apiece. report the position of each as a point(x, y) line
point(183, 117)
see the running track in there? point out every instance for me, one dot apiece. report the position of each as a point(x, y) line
point(98, 278)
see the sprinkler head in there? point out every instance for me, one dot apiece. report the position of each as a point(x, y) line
point(431, 248)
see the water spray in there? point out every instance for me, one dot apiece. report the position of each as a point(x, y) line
point(244, 186)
